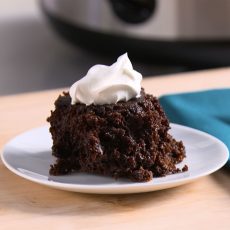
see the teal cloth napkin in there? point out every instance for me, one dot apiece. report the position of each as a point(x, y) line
point(208, 111)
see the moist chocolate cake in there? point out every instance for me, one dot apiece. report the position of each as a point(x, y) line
point(127, 139)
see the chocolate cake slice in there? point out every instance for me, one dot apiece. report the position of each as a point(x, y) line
point(127, 139)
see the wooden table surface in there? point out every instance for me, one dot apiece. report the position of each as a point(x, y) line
point(203, 204)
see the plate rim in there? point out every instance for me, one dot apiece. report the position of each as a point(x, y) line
point(113, 188)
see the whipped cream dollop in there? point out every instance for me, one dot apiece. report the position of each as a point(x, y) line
point(108, 84)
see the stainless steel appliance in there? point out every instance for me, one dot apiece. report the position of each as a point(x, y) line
point(192, 32)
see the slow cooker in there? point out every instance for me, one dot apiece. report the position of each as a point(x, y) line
point(190, 32)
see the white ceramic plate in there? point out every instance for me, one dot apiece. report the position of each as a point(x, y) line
point(29, 156)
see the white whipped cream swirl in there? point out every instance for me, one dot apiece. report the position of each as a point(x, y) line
point(107, 84)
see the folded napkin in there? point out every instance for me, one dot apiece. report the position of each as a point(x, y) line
point(208, 111)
